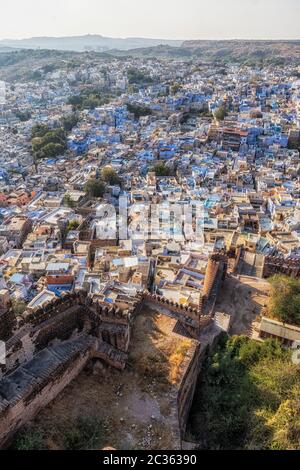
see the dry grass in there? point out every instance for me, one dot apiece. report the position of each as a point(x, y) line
point(160, 352)
point(154, 366)
point(176, 359)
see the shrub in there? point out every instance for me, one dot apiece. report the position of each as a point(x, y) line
point(30, 439)
point(110, 176)
point(221, 113)
point(161, 169)
point(95, 188)
point(248, 397)
point(85, 433)
point(284, 301)
point(18, 306)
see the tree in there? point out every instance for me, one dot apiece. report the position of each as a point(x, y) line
point(175, 88)
point(284, 303)
point(256, 114)
point(30, 439)
point(138, 110)
point(95, 188)
point(91, 102)
point(47, 142)
point(52, 150)
point(39, 130)
point(136, 76)
point(69, 121)
point(221, 113)
point(72, 225)
point(110, 176)
point(294, 142)
point(90, 99)
point(34, 75)
point(18, 306)
point(50, 68)
point(23, 115)
point(286, 425)
point(68, 201)
point(75, 101)
point(162, 170)
point(248, 397)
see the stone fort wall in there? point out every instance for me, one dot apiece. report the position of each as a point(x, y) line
point(277, 265)
point(52, 344)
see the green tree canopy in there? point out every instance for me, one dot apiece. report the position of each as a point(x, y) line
point(72, 225)
point(39, 130)
point(138, 110)
point(294, 142)
point(47, 142)
point(69, 121)
point(110, 176)
point(95, 188)
point(175, 88)
point(18, 306)
point(90, 99)
point(284, 303)
point(161, 169)
point(23, 115)
point(68, 201)
point(136, 76)
point(51, 150)
point(221, 113)
point(249, 397)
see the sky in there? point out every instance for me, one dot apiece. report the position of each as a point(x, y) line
point(163, 19)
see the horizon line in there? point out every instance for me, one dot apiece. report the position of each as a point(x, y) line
point(150, 38)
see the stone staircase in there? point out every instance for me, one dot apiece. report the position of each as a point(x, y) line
point(36, 373)
point(111, 355)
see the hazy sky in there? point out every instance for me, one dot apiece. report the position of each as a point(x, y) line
point(178, 19)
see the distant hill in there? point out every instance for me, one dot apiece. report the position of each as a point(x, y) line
point(90, 42)
point(241, 51)
point(6, 49)
point(161, 51)
point(18, 63)
point(245, 50)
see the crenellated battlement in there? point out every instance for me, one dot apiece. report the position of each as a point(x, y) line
point(278, 265)
point(193, 319)
point(54, 307)
point(56, 340)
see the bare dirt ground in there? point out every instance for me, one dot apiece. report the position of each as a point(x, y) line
point(134, 404)
point(243, 298)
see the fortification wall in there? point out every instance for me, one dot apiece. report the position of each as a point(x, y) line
point(193, 365)
point(19, 349)
point(188, 384)
point(116, 335)
point(239, 255)
point(192, 314)
point(24, 405)
point(7, 323)
point(54, 307)
point(277, 265)
point(45, 370)
point(217, 264)
point(35, 335)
